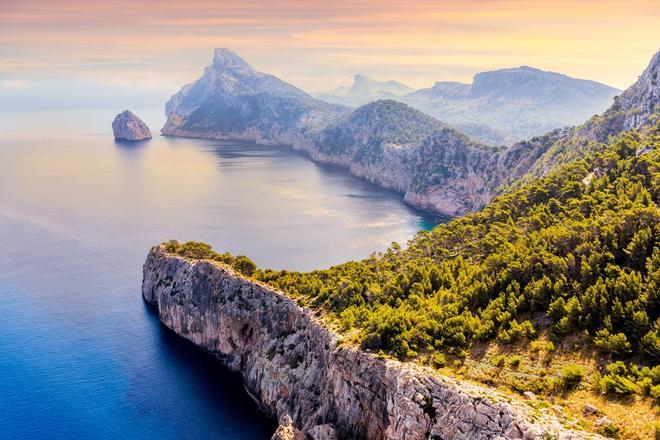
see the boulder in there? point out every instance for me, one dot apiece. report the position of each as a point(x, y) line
point(589, 409)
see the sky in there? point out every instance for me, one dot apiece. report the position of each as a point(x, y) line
point(93, 51)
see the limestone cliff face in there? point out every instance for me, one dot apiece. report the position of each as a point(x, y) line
point(295, 367)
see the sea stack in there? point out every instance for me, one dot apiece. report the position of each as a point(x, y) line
point(128, 127)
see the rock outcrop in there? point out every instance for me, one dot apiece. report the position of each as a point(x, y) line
point(128, 127)
point(299, 369)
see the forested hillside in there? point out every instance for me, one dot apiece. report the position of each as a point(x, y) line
point(574, 251)
point(571, 261)
point(552, 288)
point(568, 264)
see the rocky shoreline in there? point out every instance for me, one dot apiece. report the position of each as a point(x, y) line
point(389, 175)
point(316, 386)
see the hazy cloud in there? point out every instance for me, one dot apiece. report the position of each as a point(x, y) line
point(160, 45)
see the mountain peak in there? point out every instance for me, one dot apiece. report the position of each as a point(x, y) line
point(226, 59)
point(529, 82)
point(654, 64)
point(526, 69)
point(360, 78)
point(640, 101)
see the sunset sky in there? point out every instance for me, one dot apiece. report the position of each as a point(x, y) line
point(156, 46)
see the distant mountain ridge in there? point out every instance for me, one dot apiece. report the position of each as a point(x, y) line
point(365, 90)
point(500, 106)
point(388, 142)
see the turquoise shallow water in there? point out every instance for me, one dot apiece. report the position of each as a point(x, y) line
point(82, 356)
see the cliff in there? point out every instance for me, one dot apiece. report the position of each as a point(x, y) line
point(296, 368)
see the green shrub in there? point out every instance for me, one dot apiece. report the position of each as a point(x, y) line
point(438, 360)
point(514, 361)
point(244, 265)
point(538, 345)
point(198, 250)
point(612, 343)
point(651, 344)
point(498, 361)
point(516, 331)
point(610, 429)
point(172, 246)
point(617, 385)
point(615, 382)
point(570, 377)
point(654, 392)
point(195, 249)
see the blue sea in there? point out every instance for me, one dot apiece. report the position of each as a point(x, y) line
point(81, 355)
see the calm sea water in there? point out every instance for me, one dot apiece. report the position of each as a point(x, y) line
point(81, 355)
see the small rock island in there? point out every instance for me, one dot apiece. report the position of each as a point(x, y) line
point(128, 127)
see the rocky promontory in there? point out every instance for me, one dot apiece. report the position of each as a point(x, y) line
point(314, 383)
point(129, 127)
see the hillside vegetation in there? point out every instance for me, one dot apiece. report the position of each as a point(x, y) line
point(567, 266)
point(575, 251)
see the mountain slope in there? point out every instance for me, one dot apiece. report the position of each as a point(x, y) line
point(636, 108)
point(376, 142)
point(520, 102)
point(499, 107)
point(465, 186)
point(232, 100)
point(551, 289)
point(551, 292)
point(568, 264)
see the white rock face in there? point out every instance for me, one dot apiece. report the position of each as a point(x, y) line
point(317, 388)
point(129, 127)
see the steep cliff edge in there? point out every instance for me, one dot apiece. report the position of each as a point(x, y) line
point(294, 366)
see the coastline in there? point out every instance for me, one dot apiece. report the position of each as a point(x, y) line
point(297, 367)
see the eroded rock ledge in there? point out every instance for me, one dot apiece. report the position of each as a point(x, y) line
point(297, 368)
